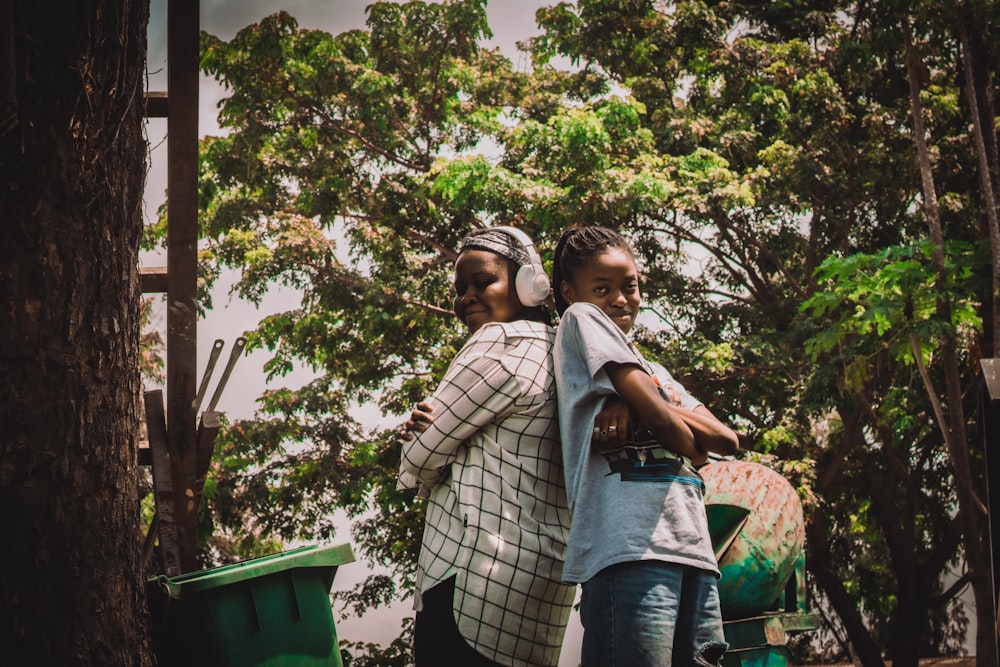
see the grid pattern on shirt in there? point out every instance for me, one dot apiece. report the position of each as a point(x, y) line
point(497, 515)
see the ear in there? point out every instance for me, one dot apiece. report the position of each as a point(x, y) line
point(567, 292)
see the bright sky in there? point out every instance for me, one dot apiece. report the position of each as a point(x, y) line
point(510, 21)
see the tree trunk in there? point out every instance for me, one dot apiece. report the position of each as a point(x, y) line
point(72, 169)
point(975, 32)
point(832, 585)
point(952, 425)
point(975, 91)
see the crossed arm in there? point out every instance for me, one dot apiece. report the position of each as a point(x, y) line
point(690, 433)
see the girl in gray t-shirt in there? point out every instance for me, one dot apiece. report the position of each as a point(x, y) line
point(639, 541)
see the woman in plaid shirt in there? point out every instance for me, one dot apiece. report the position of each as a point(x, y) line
point(485, 448)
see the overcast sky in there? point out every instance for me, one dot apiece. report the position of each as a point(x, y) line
point(510, 21)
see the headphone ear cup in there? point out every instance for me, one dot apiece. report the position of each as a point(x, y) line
point(532, 285)
point(530, 282)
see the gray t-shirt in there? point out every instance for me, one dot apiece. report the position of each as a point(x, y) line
point(616, 521)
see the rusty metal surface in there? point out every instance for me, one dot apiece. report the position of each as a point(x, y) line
point(165, 521)
point(763, 556)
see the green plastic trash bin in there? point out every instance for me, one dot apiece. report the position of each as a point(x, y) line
point(267, 612)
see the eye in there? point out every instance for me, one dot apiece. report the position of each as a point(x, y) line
point(601, 290)
point(631, 287)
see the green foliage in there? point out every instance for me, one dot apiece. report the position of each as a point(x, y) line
point(875, 302)
point(759, 156)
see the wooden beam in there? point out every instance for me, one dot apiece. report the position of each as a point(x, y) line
point(182, 269)
point(163, 491)
point(153, 279)
point(157, 104)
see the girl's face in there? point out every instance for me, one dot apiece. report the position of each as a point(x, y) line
point(484, 289)
point(610, 282)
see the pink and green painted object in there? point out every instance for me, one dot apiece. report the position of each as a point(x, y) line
point(758, 531)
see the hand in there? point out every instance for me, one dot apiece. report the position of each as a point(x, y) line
point(611, 424)
point(418, 422)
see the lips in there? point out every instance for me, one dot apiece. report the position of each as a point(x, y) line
point(472, 314)
point(622, 319)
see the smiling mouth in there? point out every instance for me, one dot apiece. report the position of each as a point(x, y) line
point(469, 314)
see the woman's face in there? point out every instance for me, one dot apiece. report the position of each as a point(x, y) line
point(484, 289)
point(610, 282)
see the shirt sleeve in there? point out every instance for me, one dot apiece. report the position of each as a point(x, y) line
point(687, 400)
point(477, 389)
point(600, 340)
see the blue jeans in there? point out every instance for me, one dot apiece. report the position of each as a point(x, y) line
point(651, 614)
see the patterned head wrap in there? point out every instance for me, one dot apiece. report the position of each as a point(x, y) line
point(498, 242)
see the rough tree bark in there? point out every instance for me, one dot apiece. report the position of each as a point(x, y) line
point(72, 169)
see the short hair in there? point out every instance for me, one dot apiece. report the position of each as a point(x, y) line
point(499, 242)
point(577, 246)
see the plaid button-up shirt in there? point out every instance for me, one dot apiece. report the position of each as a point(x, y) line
point(497, 516)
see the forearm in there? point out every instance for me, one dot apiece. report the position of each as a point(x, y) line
point(425, 455)
point(469, 397)
point(674, 433)
point(710, 434)
point(665, 421)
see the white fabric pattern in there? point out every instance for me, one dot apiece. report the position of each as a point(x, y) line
point(497, 516)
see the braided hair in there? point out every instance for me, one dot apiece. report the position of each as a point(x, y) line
point(577, 246)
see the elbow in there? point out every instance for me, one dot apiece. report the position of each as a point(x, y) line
point(424, 475)
point(732, 446)
point(424, 471)
point(673, 435)
point(727, 443)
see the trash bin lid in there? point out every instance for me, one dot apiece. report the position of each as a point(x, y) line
point(304, 557)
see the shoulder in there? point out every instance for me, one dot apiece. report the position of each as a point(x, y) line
point(586, 321)
point(519, 351)
point(581, 311)
point(583, 315)
point(500, 339)
point(513, 333)
point(528, 329)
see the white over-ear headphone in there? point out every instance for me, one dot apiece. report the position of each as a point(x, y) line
point(531, 282)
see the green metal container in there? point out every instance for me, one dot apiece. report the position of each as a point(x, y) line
point(757, 528)
point(770, 656)
point(757, 524)
point(266, 612)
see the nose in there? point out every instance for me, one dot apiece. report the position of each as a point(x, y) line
point(466, 297)
point(618, 299)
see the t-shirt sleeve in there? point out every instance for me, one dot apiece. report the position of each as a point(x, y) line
point(599, 341)
point(688, 401)
point(477, 389)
